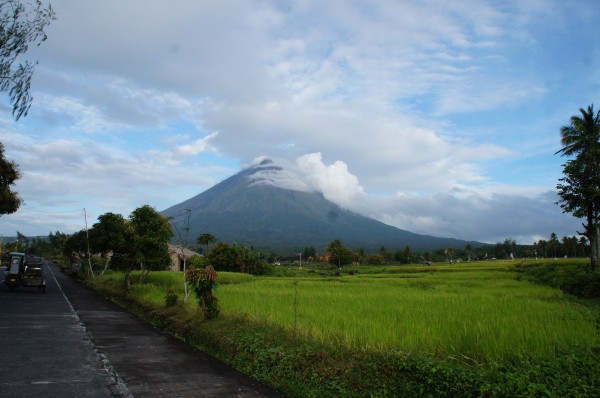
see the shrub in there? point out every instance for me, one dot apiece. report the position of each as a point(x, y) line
point(203, 282)
point(170, 298)
point(573, 279)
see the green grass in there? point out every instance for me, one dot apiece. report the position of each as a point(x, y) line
point(477, 316)
point(471, 329)
point(475, 312)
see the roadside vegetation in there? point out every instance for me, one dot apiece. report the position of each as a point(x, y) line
point(492, 328)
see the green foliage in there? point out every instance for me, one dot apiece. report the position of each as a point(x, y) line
point(203, 282)
point(249, 259)
point(206, 240)
point(111, 237)
point(198, 261)
point(76, 243)
point(339, 254)
point(19, 27)
point(222, 257)
point(9, 174)
point(309, 253)
point(579, 189)
point(573, 279)
point(375, 259)
point(151, 234)
point(170, 297)
point(405, 256)
point(140, 241)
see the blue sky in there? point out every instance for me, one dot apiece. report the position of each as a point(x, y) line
point(437, 117)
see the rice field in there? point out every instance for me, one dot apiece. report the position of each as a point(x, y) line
point(476, 316)
point(474, 313)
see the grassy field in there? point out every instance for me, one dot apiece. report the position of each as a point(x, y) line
point(470, 312)
point(475, 314)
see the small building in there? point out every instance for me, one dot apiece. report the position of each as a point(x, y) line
point(177, 254)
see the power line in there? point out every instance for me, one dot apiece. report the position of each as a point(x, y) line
point(54, 212)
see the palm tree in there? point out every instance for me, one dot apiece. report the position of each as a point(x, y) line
point(469, 250)
point(579, 190)
point(206, 240)
point(553, 243)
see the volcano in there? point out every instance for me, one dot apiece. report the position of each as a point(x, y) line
point(266, 206)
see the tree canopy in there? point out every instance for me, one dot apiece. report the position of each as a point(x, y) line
point(21, 24)
point(19, 27)
point(139, 241)
point(206, 240)
point(151, 234)
point(9, 174)
point(579, 189)
point(339, 254)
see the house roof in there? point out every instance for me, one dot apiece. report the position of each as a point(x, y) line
point(178, 250)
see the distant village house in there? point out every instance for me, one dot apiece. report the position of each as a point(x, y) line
point(177, 254)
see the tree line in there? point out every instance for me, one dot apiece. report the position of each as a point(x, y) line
point(119, 242)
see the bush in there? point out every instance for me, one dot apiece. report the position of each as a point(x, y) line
point(170, 298)
point(203, 282)
point(574, 279)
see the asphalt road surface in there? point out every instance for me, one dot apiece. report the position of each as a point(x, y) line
point(71, 342)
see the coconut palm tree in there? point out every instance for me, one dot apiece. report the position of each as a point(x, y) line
point(579, 189)
point(206, 240)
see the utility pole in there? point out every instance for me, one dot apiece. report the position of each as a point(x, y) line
point(87, 237)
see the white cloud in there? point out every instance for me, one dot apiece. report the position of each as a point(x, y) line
point(335, 181)
point(273, 173)
point(475, 217)
point(489, 214)
point(446, 102)
point(196, 147)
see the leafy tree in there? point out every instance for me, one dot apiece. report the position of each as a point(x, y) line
point(110, 237)
point(385, 255)
point(375, 259)
point(569, 244)
point(20, 27)
point(272, 258)
point(9, 174)
point(582, 245)
point(542, 247)
point(309, 253)
point(361, 254)
point(151, 235)
point(222, 256)
point(553, 244)
point(23, 241)
point(579, 189)
point(57, 240)
point(75, 245)
point(404, 256)
point(206, 239)
point(339, 254)
point(449, 252)
point(469, 250)
point(248, 259)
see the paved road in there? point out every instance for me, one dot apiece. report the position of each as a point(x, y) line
point(71, 342)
